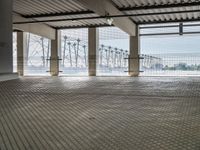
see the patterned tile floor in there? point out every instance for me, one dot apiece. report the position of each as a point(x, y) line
point(102, 113)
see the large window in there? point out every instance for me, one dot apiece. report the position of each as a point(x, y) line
point(14, 52)
point(112, 52)
point(74, 52)
point(36, 55)
point(166, 52)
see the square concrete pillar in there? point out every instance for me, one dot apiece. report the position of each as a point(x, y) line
point(6, 59)
point(54, 59)
point(21, 50)
point(134, 59)
point(93, 40)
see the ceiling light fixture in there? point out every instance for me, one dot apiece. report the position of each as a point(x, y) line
point(109, 19)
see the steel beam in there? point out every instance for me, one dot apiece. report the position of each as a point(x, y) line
point(59, 14)
point(83, 26)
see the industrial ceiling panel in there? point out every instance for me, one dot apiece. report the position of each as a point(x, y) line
point(61, 13)
point(33, 7)
point(166, 18)
point(135, 3)
point(165, 14)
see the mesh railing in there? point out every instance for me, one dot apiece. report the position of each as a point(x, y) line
point(180, 64)
point(38, 51)
point(112, 60)
point(74, 56)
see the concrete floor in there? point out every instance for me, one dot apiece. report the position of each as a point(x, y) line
point(103, 113)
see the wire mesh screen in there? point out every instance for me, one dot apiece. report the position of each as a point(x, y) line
point(14, 52)
point(113, 49)
point(36, 55)
point(179, 64)
point(74, 52)
point(170, 55)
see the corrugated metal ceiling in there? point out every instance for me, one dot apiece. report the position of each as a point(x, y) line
point(134, 3)
point(32, 7)
point(165, 17)
point(59, 9)
point(159, 18)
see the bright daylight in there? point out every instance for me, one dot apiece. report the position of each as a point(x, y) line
point(100, 75)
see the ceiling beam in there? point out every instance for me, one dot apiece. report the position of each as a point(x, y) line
point(171, 33)
point(59, 14)
point(38, 28)
point(83, 26)
point(106, 7)
point(169, 26)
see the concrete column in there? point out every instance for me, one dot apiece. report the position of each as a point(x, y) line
point(134, 61)
point(21, 50)
point(6, 59)
point(92, 50)
point(54, 59)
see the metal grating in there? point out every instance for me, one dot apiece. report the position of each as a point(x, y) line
point(96, 114)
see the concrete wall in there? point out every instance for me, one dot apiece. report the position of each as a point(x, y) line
point(6, 64)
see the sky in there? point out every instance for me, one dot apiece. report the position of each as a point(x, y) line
point(161, 44)
point(170, 44)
